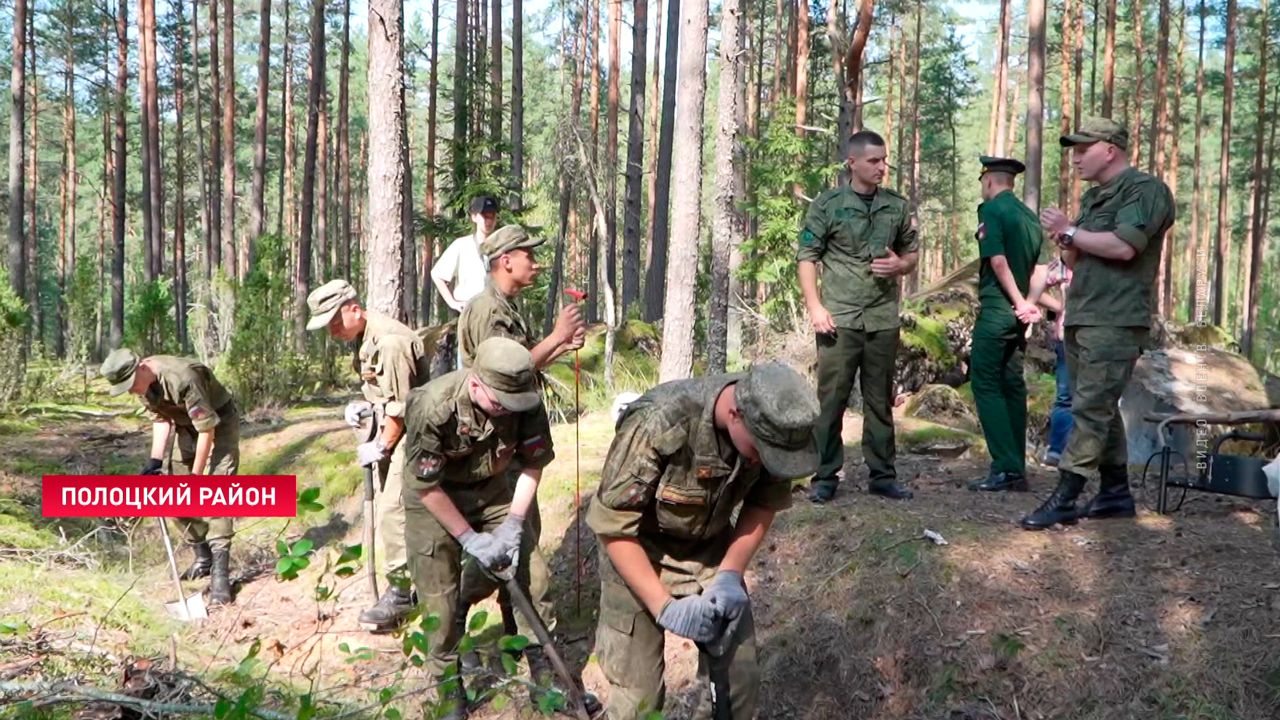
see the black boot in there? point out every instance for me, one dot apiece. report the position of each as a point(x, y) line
point(219, 581)
point(997, 481)
point(1113, 499)
point(452, 697)
point(470, 660)
point(201, 564)
point(889, 488)
point(822, 491)
point(392, 607)
point(544, 676)
point(1061, 505)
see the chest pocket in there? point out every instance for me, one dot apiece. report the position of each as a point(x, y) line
point(852, 230)
point(687, 497)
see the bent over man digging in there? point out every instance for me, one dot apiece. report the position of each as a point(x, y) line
point(686, 455)
point(184, 398)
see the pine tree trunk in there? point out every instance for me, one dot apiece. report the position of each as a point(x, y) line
point(385, 257)
point(890, 109)
point(995, 133)
point(851, 66)
point(1199, 253)
point(429, 192)
point(237, 257)
point(1109, 63)
point(593, 245)
point(1173, 259)
point(656, 269)
point(495, 76)
point(288, 224)
point(635, 158)
point(1014, 113)
point(779, 43)
point(1160, 114)
point(315, 98)
point(1093, 61)
point(344, 138)
point(793, 47)
point(215, 142)
point(677, 325)
point(655, 105)
point(1139, 57)
point(67, 209)
point(106, 181)
point(913, 279)
point(1064, 99)
point(517, 103)
point(727, 225)
point(146, 65)
point(611, 145)
point(17, 152)
point(323, 264)
point(33, 184)
point(180, 201)
point(1222, 235)
point(201, 159)
point(1035, 103)
point(116, 336)
point(802, 65)
point(1258, 233)
point(902, 106)
point(258, 208)
point(1077, 108)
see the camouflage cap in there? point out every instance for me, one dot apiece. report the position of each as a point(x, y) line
point(1001, 165)
point(508, 238)
point(325, 301)
point(780, 410)
point(506, 368)
point(1094, 130)
point(119, 369)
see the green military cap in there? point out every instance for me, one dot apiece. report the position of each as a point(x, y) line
point(326, 300)
point(1002, 165)
point(780, 409)
point(1094, 130)
point(119, 369)
point(508, 238)
point(506, 368)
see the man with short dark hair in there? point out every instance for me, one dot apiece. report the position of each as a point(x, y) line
point(460, 273)
point(1114, 250)
point(864, 236)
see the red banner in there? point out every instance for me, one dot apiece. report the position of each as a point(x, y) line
point(169, 496)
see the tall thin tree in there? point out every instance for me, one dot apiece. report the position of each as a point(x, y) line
point(17, 151)
point(1258, 233)
point(1109, 62)
point(611, 144)
point(656, 269)
point(1222, 235)
point(1199, 253)
point(116, 335)
point(236, 257)
point(344, 139)
point(386, 168)
point(1035, 103)
point(635, 159)
point(257, 207)
point(1000, 83)
point(315, 98)
point(727, 225)
point(180, 199)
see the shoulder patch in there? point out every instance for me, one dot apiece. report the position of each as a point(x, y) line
point(429, 466)
point(982, 231)
point(807, 238)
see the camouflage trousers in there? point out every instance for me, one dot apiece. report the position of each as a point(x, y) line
point(630, 644)
point(389, 511)
point(476, 586)
point(1100, 360)
point(224, 459)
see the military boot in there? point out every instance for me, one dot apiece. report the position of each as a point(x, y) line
point(543, 675)
point(219, 581)
point(470, 660)
point(452, 697)
point(1061, 505)
point(1113, 499)
point(822, 491)
point(997, 481)
point(392, 607)
point(889, 488)
point(200, 565)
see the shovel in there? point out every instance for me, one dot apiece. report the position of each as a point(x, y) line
point(371, 573)
point(186, 608)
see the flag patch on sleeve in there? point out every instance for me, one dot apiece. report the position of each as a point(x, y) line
point(982, 231)
point(534, 446)
point(429, 466)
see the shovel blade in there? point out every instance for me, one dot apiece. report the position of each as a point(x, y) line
point(192, 608)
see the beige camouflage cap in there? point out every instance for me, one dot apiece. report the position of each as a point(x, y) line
point(506, 368)
point(1094, 130)
point(325, 301)
point(119, 369)
point(780, 410)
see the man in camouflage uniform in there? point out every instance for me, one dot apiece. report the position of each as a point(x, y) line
point(496, 312)
point(185, 398)
point(1010, 243)
point(391, 361)
point(687, 455)
point(1114, 249)
point(463, 431)
point(864, 237)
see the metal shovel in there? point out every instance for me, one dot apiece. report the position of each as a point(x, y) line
point(186, 608)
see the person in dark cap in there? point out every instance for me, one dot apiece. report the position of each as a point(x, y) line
point(1114, 250)
point(1010, 280)
point(184, 398)
point(687, 456)
point(459, 274)
point(463, 431)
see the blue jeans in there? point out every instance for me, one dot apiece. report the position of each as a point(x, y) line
point(1060, 416)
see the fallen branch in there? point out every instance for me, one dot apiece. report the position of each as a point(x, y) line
point(71, 692)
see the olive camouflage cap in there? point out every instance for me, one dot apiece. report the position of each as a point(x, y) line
point(1094, 130)
point(506, 368)
point(505, 239)
point(780, 410)
point(119, 369)
point(326, 300)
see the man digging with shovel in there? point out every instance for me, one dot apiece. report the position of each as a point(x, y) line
point(686, 455)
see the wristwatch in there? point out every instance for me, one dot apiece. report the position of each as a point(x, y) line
point(1068, 236)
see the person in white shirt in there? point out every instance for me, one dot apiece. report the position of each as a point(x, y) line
point(461, 272)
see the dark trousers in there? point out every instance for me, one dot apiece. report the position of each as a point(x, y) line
point(999, 390)
point(841, 357)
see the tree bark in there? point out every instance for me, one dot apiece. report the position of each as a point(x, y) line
point(995, 135)
point(517, 103)
point(495, 76)
point(913, 279)
point(344, 135)
point(107, 180)
point(1093, 61)
point(17, 152)
point(1064, 99)
point(802, 65)
point(1077, 107)
point(116, 336)
point(315, 97)
point(1258, 233)
point(1223, 236)
point(323, 260)
point(180, 201)
point(635, 158)
point(1109, 62)
point(611, 144)
point(1172, 258)
point(1139, 57)
point(201, 159)
point(429, 192)
point(593, 244)
point(891, 175)
point(1014, 114)
point(287, 224)
point(67, 187)
point(238, 257)
point(1035, 103)
point(853, 70)
point(146, 68)
point(1199, 253)
point(656, 273)
point(1155, 163)
point(215, 141)
point(258, 209)
point(779, 43)
point(385, 256)
point(655, 106)
point(677, 325)
point(727, 225)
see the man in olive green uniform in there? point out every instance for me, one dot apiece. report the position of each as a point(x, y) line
point(185, 398)
point(391, 361)
point(864, 237)
point(1114, 249)
point(1010, 243)
point(496, 312)
point(687, 455)
point(463, 431)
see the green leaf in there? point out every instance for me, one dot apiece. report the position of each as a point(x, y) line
point(344, 647)
point(282, 548)
point(500, 701)
point(430, 623)
point(350, 553)
point(478, 621)
point(344, 572)
point(513, 643)
point(322, 593)
point(302, 547)
point(466, 645)
point(284, 568)
point(392, 714)
point(509, 664)
point(309, 495)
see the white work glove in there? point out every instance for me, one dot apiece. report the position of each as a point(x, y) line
point(370, 453)
point(354, 412)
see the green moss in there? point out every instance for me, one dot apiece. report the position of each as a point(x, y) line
point(929, 335)
point(18, 531)
point(1042, 391)
point(966, 394)
point(933, 433)
point(16, 426)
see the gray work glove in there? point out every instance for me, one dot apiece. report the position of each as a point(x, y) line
point(488, 550)
point(729, 595)
point(356, 411)
point(510, 530)
point(693, 617)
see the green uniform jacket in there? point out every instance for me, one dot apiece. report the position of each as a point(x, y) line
point(1007, 227)
point(186, 394)
point(1139, 209)
point(842, 233)
point(391, 361)
point(671, 479)
point(454, 444)
point(491, 314)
